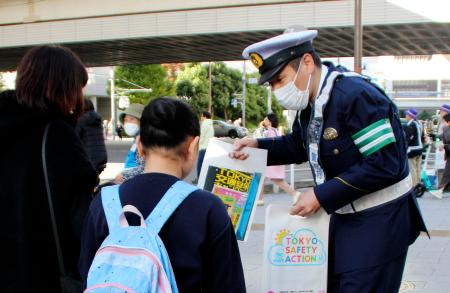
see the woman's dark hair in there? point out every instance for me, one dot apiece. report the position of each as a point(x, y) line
point(206, 114)
point(168, 122)
point(51, 77)
point(273, 119)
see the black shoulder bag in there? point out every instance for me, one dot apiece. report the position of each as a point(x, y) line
point(68, 283)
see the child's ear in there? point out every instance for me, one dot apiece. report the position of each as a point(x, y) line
point(193, 146)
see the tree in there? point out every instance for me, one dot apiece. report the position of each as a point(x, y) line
point(425, 115)
point(192, 86)
point(152, 76)
point(2, 83)
point(226, 83)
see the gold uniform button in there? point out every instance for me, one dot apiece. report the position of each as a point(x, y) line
point(330, 133)
point(336, 151)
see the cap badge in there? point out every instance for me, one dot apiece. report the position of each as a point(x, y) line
point(330, 133)
point(256, 60)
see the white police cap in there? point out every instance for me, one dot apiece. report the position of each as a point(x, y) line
point(271, 55)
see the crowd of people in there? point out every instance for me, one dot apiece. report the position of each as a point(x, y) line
point(346, 128)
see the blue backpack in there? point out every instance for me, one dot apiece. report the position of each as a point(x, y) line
point(133, 258)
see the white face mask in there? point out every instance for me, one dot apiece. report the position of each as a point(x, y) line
point(131, 129)
point(290, 97)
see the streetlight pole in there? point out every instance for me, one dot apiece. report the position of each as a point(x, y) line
point(269, 99)
point(113, 106)
point(358, 37)
point(210, 90)
point(244, 73)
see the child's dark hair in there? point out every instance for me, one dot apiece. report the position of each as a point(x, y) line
point(167, 122)
point(273, 119)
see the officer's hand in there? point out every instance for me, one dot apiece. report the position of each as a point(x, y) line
point(239, 144)
point(306, 205)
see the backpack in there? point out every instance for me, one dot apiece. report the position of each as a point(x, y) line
point(133, 258)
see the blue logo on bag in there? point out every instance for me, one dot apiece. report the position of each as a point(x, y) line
point(301, 248)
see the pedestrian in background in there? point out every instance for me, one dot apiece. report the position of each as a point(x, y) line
point(276, 174)
point(49, 94)
point(443, 110)
point(131, 121)
point(90, 130)
point(444, 183)
point(119, 131)
point(413, 133)
point(206, 133)
point(134, 163)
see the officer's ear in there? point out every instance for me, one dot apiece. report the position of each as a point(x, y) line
point(308, 62)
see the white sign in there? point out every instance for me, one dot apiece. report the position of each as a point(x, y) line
point(124, 102)
point(253, 80)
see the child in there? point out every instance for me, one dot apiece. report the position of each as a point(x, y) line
point(199, 236)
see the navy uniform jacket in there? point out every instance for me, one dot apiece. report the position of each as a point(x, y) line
point(413, 139)
point(367, 238)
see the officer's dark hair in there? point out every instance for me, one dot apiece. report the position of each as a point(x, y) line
point(167, 122)
point(273, 119)
point(53, 77)
point(296, 62)
point(206, 114)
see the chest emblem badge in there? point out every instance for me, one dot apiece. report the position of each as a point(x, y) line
point(330, 133)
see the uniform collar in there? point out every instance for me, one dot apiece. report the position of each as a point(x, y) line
point(410, 121)
point(323, 75)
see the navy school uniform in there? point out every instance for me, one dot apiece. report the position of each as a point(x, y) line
point(199, 236)
point(369, 238)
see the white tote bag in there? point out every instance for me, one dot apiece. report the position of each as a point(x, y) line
point(295, 252)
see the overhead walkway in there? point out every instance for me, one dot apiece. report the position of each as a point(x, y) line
point(112, 32)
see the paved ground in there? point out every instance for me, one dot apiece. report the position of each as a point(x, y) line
point(428, 263)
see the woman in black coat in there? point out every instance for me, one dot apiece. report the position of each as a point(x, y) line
point(48, 90)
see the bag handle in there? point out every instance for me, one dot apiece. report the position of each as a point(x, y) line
point(50, 203)
point(130, 209)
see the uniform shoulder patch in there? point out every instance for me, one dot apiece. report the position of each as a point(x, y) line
point(374, 137)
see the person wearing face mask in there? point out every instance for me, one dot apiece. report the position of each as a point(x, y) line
point(350, 132)
point(131, 119)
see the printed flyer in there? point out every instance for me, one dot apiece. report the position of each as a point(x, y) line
point(295, 252)
point(237, 183)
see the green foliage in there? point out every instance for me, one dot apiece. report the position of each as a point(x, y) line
point(152, 76)
point(226, 83)
point(193, 84)
point(425, 115)
point(2, 83)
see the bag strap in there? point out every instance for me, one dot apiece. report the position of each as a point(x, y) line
point(173, 197)
point(112, 206)
point(50, 203)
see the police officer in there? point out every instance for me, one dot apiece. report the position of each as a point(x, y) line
point(350, 132)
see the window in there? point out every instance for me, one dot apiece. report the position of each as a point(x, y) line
point(414, 87)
